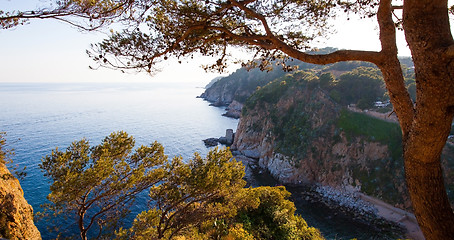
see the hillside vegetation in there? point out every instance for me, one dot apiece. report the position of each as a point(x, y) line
point(352, 84)
point(299, 127)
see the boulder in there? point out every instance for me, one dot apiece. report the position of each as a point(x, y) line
point(211, 142)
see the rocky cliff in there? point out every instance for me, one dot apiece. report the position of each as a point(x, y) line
point(300, 135)
point(238, 86)
point(16, 215)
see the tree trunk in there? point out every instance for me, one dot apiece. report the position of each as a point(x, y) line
point(428, 195)
point(427, 31)
point(83, 231)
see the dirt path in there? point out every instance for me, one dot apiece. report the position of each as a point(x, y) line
point(397, 215)
point(389, 116)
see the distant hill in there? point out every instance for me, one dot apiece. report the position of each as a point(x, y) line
point(239, 85)
point(213, 81)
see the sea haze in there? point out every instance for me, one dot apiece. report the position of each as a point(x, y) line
point(38, 117)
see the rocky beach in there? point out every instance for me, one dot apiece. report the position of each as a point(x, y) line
point(353, 205)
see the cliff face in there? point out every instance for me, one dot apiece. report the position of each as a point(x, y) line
point(295, 131)
point(16, 215)
point(219, 94)
point(239, 86)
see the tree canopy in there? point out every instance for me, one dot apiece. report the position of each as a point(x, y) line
point(203, 198)
point(362, 86)
point(190, 194)
point(157, 30)
point(96, 185)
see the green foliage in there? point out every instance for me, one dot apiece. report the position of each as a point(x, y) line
point(205, 199)
point(348, 66)
point(383, 179)
point(272, 216)
point(243, 82)
point(200, 199)
point(273, 91)
point(335, 95)
point(292, 129)
point(260, 213)
point(182, 28)
point(293, 132)
point(190, 194)
point(362, 86)
point(326, 79)
point(365, 103)
point(357, 124)
point(96, 185)
point(407, 62)
point(384, 176)
point(237, 232)
point(96, 12)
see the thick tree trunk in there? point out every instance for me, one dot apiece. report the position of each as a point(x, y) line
point(428, 195)
point(428, 34)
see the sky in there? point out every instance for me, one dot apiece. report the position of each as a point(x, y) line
point(52, 51)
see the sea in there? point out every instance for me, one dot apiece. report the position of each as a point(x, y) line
point(40, 117)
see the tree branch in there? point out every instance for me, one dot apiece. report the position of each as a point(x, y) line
point(166, 226)
point(391, 68)
point(343, 55)
point(69, 10)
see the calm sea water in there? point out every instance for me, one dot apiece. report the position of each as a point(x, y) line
point(41, 116)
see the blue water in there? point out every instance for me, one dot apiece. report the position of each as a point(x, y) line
point(41, 116)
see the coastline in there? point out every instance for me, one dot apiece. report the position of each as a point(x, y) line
point(361, 207)
point(365, 210)
point(406, 219)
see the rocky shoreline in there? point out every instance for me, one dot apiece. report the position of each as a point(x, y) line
point(232, 107)
point(348, 203)
point(226, 140)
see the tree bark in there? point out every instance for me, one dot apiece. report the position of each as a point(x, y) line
point(427, 31)
point(83, 231)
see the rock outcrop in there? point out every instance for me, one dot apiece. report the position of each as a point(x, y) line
point(234, 110)
point(238, 86)
point(226, 140)
point(16, 215)
point(295, 131)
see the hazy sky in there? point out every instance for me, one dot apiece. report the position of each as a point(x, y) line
point(51, 51)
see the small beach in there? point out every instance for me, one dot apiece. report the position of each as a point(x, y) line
point(397, 215)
